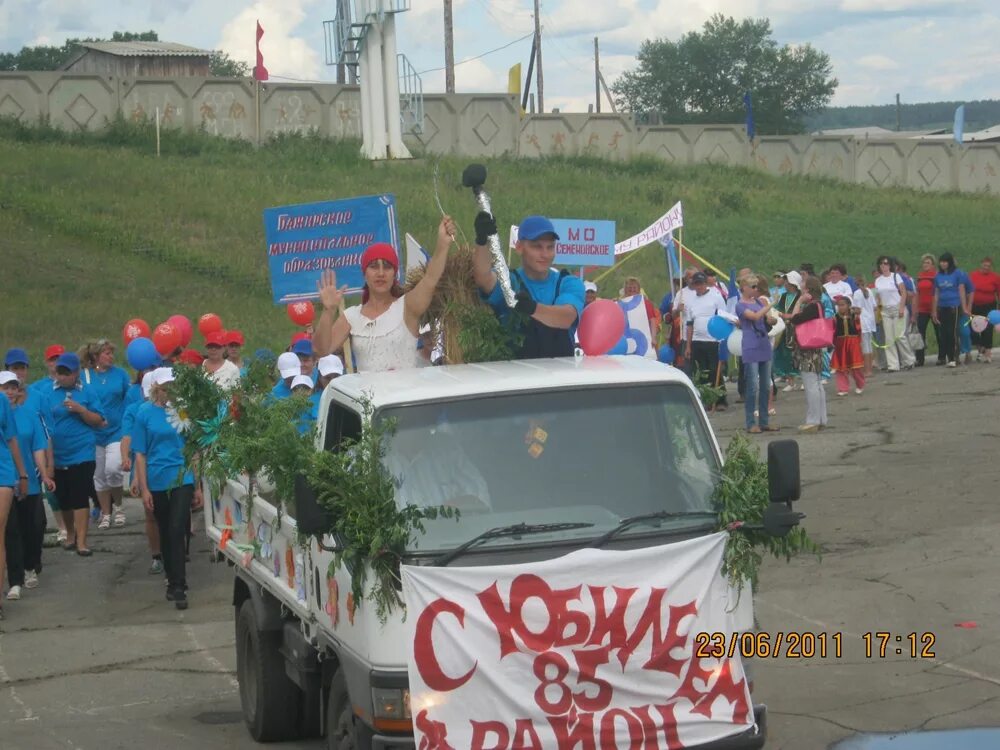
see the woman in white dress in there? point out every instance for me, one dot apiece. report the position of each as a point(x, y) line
point(385, 326)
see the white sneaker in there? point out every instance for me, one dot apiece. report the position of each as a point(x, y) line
point(14, 594)
point(104, 523)
point(61, 536)
point(953, 363)
point(859, 391)
point(841, 393)
point(119, 517)
point(788, 388)
point(30, 579)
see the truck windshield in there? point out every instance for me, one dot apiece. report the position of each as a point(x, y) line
point(594, 456)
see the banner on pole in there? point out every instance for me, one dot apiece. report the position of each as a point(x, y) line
point(671, 220)
point(593, 649)
point(582, 242)
point(306, 239)
point(638, 336)
point(416, 256)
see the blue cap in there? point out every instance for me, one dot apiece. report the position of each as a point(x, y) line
point(303, 347)
point(265, 355)
point(16, 357)
point(68, 360)
point(534, 227)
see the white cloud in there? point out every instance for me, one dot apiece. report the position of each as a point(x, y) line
point(888, 6)
point(477, 75)
point(285, 53)
point(878, 62)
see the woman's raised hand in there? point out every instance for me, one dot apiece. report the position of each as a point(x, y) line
point(329, 294)
point(446, 231)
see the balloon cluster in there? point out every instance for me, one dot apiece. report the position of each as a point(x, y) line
point(145, 347)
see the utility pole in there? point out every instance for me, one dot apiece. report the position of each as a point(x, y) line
point(449, 49)
point(538, 58)
point(898, 114)
point(597, 75)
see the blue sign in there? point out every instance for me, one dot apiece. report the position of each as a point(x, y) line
point(583, 242)
point(307, 239)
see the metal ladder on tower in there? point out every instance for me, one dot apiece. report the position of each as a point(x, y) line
point(344, 38)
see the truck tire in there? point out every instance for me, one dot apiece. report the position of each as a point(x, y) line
point(341, 733)
point(269, 699)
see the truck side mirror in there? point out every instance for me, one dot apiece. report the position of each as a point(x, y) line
point(311, 518)
point(783, 482)
point(780, 519)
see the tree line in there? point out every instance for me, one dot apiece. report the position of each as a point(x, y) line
point(46, 57)
point(923, 116)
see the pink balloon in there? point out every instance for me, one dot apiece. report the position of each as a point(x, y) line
point(601, 326)
point(183, 326)
point(979, 323)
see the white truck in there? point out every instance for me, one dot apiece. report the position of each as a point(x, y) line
point(628, 457)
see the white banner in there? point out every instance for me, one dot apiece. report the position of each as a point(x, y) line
point(416, 256)
point(671, 220)
point(592, 650)
point(638, 336)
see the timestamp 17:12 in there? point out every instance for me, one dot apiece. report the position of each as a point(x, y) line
point(881, 644)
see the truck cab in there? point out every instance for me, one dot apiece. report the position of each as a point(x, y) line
point(570, 446)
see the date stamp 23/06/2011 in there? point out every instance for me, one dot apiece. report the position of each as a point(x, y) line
point(813, 645)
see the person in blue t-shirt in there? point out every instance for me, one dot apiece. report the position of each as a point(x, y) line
point(165, 482)
point(128, 467)
point(26, 524)
point(13, 473)
point(549, 300)
point(302, 386)
point(949, 302)
point(111, 383)
point(73, 413)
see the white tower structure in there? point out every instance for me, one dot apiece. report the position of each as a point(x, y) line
point(364, 32)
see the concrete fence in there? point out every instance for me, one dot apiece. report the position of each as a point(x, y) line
point(488, 125)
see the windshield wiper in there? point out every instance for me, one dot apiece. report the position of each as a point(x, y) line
point(627, 523)
point(513, 530)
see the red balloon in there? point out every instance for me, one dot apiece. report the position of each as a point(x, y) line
point(209, 323)
point(137, 328)
point(301, 313)
point(166, 339)
point(183, 326)
point(601, 326)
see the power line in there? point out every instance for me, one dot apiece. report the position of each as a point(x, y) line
point(484, 54)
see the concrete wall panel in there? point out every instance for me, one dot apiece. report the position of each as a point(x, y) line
point(484, 125)
point(931, 166)
point(288, 109)
point(82, 102)
point(882, 163)
point(978, 168)
point(140, 100)
point(721, 144)
point(22, 98)
point(829, 157)
point(345, 112)
point(549, 135)
point(226, 108)
point(607, 136)
point(779, 155)
point(671, 144)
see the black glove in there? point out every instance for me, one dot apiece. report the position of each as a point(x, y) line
point(486, 226)
point(525, 304)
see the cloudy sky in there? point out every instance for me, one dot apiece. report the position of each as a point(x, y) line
point(926, 50)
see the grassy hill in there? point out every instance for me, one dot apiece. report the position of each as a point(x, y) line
point(97, 230)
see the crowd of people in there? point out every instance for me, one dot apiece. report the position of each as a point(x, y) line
point(879, 323)
point(87, 431)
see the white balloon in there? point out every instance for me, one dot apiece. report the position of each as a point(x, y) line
point(735, 343)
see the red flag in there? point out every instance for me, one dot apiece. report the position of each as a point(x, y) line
point(259, 71)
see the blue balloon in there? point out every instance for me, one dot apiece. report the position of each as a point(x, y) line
point(141, 354)
point(620, 348)
point(666, 355)
point(994, 317)
point(719, 328)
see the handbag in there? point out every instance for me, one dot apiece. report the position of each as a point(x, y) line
point(915, 339)
point(816, 333)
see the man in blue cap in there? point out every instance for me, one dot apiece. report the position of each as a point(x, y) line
point(551, 301)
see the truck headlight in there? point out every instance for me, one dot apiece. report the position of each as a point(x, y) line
point(391, 703)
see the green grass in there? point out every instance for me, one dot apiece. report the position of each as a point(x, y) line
point(96, 229)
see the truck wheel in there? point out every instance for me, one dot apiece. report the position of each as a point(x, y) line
point(340, 731)
point(270, 700)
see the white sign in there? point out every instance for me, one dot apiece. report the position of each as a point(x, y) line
point(416, 256)
point(596, 649)
point(671, 220)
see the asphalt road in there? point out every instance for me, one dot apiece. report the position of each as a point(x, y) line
point(900, 492)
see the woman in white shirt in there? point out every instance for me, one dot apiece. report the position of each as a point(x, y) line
point(891, 292)
point(385, 326)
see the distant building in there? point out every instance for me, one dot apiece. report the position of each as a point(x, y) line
point(139, 59)
point(874, 132)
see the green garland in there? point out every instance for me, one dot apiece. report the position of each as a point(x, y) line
point(373, 532)
point(246, 431)
point(741, 497)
